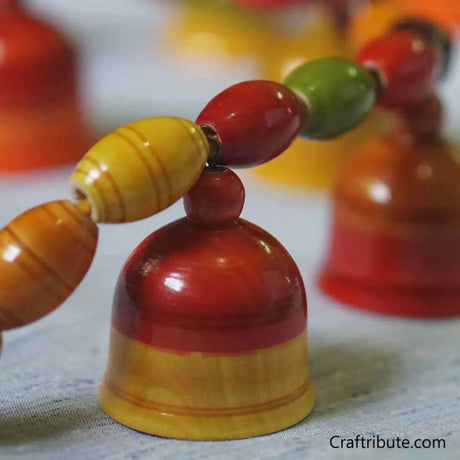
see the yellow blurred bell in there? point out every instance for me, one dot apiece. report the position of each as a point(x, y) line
point(288, 51)
point(313, 164)
point(217, 31)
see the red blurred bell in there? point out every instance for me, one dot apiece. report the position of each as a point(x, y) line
point(395, 245)
point(40, 114)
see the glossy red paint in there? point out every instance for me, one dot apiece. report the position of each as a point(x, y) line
point(395, 245)
point(413, 276)
point(228, 287)
point(255, 121)
point(9, 4)
point(408, 67)
point(217, 198)
point(37, 65)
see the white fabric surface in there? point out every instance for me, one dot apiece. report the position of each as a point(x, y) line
point(372, 375)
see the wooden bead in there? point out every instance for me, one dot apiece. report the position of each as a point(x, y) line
point(217, 198)
point(140, 169)
point(407, 66)
point(45, 253)
point(438, 38)
point(338, 93)
point(255, 121)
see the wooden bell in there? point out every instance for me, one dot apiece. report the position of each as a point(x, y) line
point(40, 111)
point(209, 326)
point(395, 245)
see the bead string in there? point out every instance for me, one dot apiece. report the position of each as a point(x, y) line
point(144, 167)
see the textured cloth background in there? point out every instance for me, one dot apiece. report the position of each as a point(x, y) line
point(372, 375)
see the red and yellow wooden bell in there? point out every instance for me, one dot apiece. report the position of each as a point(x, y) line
point(208, 333)
point(40, 114)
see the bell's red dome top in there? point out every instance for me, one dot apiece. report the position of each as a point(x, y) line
point(211, 275)
point(401, 179)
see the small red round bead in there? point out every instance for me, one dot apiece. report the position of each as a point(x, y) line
point(255, 121)
point(216, 198)
point(407, 65)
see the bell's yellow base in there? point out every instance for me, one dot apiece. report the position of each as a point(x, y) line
point(206, 396)
point(204, 428)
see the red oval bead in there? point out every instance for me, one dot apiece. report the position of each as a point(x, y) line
point(408, 67)
point(216, 198)
point(255, 121)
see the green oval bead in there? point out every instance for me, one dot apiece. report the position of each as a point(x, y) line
point(338, 92)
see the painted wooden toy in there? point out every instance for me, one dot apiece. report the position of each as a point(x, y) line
point(209, 315)
point(41, 118)
point(140, 168)
point(209, 326)
point(306, 164)
point(395, 245)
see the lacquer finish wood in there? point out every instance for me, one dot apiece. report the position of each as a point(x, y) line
point(216, 198)
point(395, 243)
point(44, 254)
point(337, 92)
point(141, 168)
point(209, 321)
point(408, 67)
point(432, 33)
point(255, 121)
point(206, 396)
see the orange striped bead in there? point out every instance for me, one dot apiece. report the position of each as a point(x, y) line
point(141, 168)
point(45, 253)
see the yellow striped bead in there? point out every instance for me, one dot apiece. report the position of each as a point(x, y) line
point(44, 254)
point(140, 169)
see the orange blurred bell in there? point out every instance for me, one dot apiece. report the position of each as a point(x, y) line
point(445, 12)
point(40, 115)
